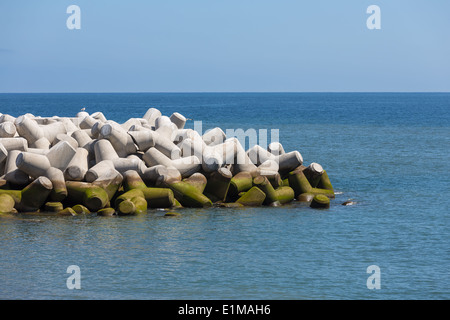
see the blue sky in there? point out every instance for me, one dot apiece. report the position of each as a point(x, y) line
point(220, 46)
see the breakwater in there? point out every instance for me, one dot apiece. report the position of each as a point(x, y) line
point(87, 163)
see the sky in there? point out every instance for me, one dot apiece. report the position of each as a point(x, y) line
point(224, 46)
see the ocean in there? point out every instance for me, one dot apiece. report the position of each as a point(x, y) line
point(386, 152)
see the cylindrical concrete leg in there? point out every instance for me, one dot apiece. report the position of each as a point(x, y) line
point(132, 180)
point(218, 185)
point(152, 174)
point(131, 202)
point(33, 164)
point(153, 157)
point(258, 155)
point(285, 194)
point(162, 121)
point(242, 161)
point(92, 197)
point(17, 143)
point(87, 122)
point(300, 184)
point(313, 173)
point(104, 150)
point(12, 173)
point(269, 165)
point(241, 182)
point(275, 180)
point(35, 194)
point(178, 119)
point(80, 209)
point(7, 118)
point(41, 143)
point(78, 166)
point(187, 166)
point(7, 203)
point(212, 161)
point(52, 130)
point(198, 180)
point(325, 182)
point(271, 197)
point(119, 138)
point(53, 206)
point(214, 136)
point(94, 132)
point(253, 198)
point(81, 137)
point(151, 115)
point(7, 129)
point(28, 129)
point(60, 155)
point(144, 139)
point(59, 191)
point(275, 148)
point(65, 137)
point(158, 197)
point(129, 123)
point(289, 161)
point(320, 201)
point(167, 147)
point(69, 125)
point(109, 181)
point(99, 116)
point(189, 196)
point(125, 164)
point(101, 168)
point(305, 197)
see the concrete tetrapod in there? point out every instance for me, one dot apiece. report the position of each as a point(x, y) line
point(78, 166)
point(300, 184)
point(30, 198)
point(12, 173)
point(217, 186)
point(131, 202)
point(198, 180)
point(37, 165)
point(285, 194)
point(271, 198)
point(53, 206)
point(320, 201)
point(111, 181)
point(119, 138)
point(241, 182)
point(7, 129)
point(186, 166)
point(252, 198)
point(188, 195)
point(6, 203)
point(92, 197)
point(155, 197)
point(313, 173)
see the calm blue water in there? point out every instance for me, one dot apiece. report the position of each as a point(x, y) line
point(388, 152)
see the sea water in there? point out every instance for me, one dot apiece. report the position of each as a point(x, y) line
point(386, 152)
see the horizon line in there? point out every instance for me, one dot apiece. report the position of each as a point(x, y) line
point(184, 92)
